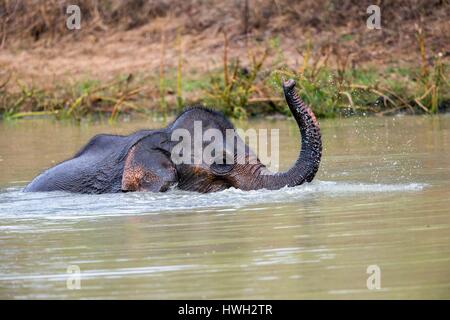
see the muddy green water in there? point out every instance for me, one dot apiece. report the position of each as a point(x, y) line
point(381, 197)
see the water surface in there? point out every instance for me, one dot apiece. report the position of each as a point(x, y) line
point(381, 197)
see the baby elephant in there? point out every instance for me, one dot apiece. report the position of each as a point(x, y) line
point(154, 160)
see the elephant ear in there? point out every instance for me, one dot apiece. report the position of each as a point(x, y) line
point(148, 169)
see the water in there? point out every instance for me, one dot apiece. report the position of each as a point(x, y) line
point(381, 197)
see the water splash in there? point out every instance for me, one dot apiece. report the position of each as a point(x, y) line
point(61, 205)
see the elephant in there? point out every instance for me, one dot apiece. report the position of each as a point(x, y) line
point(144, 160)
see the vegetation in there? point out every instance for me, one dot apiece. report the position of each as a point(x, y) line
point(247, 84)
point(240, 91)
point(74, 101)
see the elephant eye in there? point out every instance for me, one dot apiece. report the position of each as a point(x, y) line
point(221, 165)
point(221, 168)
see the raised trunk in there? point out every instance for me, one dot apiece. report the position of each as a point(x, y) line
point(308, 161)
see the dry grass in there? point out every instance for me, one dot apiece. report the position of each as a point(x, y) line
point(310, 40)
point(38, 19)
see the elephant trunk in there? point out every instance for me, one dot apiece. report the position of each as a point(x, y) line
point(308, 161)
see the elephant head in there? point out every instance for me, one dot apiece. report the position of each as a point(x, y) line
point(245, 171)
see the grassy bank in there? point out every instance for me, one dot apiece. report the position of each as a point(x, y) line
point(156, 57)
point(326, 82)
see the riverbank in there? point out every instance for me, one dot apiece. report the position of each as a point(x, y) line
point(228, 57)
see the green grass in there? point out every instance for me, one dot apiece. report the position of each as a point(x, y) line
point(253, 90)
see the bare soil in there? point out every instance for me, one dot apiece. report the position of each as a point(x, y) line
point(102, 50)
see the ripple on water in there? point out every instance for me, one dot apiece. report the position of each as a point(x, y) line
point(61, 205)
